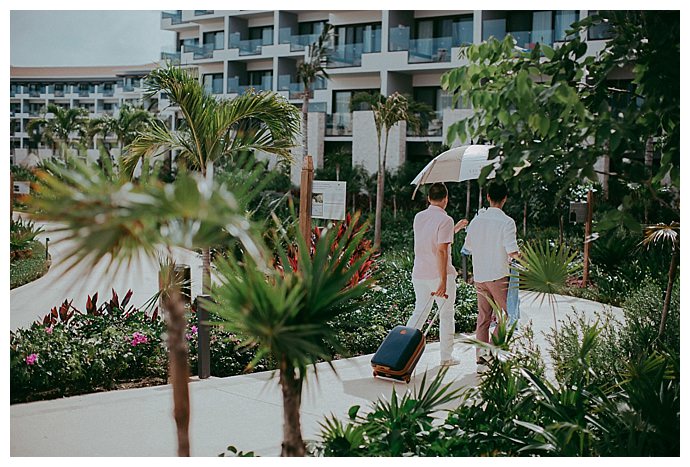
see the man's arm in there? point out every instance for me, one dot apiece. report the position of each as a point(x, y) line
point(442, 262)
point(510, 240)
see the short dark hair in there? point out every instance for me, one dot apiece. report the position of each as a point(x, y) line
point(437, 192)
point(497, 191)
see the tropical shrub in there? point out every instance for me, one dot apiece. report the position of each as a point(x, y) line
point(25, 270)
point(72, 352)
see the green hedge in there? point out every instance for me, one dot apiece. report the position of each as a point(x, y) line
point(25, 270)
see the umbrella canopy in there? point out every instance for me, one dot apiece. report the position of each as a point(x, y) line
point(456, 165)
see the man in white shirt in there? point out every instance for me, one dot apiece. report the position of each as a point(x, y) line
point(491, 239)
point(433, 273)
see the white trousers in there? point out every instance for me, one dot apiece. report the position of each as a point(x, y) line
point(423, 305)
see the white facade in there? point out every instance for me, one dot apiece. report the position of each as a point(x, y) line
point(100, 90)
point(376, 50)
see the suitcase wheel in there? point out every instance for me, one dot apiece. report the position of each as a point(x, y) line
point(375, 374)
point(407, 379)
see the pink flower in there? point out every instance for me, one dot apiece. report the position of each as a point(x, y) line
point(194, 329)
point(49, 330)
point(31, 359)
point(139, 338)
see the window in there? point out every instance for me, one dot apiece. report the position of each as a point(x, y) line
point(262, 80)
point(213, 83)
point(190, 43)
point(215, 40)
point(264, 34)
point(368, 35)
point(562, 20)
point(313, 27)
point(601, 31)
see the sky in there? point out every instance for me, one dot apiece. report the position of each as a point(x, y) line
point(86, 38)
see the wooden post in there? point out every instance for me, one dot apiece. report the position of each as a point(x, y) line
point(306, 182)
point(588, 233)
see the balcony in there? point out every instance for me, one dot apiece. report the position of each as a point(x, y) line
point(171, 55)
point(247, 46)
point(107, 92)
point(175, 16)
point(296, 90)
point(200, 52)
point(339, 124)
point(234, 86)
point(347, 55)
point(56, 91)
point(430, 125)
point(525, 40)
point(15, 89)
point(430, 50)
point(85, 92)
point(36, 91)
point(202, 12)
point(297, 42)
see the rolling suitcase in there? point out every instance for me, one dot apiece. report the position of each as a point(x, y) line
point(400, 351)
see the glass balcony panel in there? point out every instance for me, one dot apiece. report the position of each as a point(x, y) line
point(495, 28)
point(204, 51)
point(233, 84)
point(284, 82)
point(202, 12)
point(175, 16)
point(433, 126)
point(339, 124)
point(301, 42)
point(346, 55)
point(462, 33)
point(250, 47)
point(170, 54)
point(399, 38)
point(284, 35)
point(317, 107)
point(429, 50)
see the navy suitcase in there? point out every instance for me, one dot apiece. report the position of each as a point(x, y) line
point(400, 351)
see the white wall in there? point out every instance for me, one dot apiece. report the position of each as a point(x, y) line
point(365, 148)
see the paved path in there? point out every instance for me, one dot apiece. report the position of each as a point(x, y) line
point(35, 299)
point(245, 410)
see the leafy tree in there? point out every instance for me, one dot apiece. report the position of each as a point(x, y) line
point(213, 128)
point(387, 112)
point(106, 216)
point(556, 112)
point(126, 126)
point(311, 69)
point(58, 131)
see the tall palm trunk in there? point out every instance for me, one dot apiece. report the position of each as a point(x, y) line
point(380, 179)
point(467, 200)
point(672, 270)
point(291, 385)
point(178, 367)
point(206, 275)
point(305, 115)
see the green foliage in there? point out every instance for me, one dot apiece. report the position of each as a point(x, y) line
point(30, 268)
point(642, 312)
point(545, 268)
point(391, 428)
point(86, 352)
point(22, 235)
point(547, 123)
point(21, 173)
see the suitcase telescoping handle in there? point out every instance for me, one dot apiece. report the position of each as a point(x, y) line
point(438, 310)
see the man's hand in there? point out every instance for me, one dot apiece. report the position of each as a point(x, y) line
point(461, 224)
point(441, 291)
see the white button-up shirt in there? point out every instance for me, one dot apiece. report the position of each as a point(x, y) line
point(432, 227)
point(490, 237)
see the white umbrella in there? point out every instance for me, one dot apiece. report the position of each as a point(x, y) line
point(456, 165)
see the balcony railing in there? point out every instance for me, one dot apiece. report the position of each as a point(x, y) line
point(234, 85)
point(55, 91)
point(339, 124)
point(523, 39)
point(107, 92)
point(15, 89)
point(203, 51)
point(431, 125)
point(298, 42)
point(36, 91)
point(296, 90)
point(246, 46)
point(345, 55)
point(202, 12)
point(435, 49)
point(175, 16)
point(171, 55)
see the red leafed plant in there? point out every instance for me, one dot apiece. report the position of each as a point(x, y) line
point(352, 225)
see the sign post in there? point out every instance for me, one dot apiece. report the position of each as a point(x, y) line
point(305, 192)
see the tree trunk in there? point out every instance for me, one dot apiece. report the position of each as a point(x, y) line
point(305, 116)
point(672, 270)
point(648, 162)
point(380, 180)
point(178, 367)
point(467, 200)
point(479, 204)
point(291, 385)
point(524, 220)
point(560, 229)
point(395, 208)
point(206, 278)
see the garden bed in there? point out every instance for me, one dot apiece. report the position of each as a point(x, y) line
point(30, 268)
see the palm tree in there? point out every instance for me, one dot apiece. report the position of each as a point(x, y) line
point(387, 112)
point(309, 71)
point(58, 130)
point(107, 216)
point(663, 233)
point(286, 311)
point(214, 128)
point(128, 124)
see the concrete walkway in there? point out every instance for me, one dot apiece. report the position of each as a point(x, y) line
point(35, 299)
point(245, 411)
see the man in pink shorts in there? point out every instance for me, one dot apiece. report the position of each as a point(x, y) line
point(491, 239)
